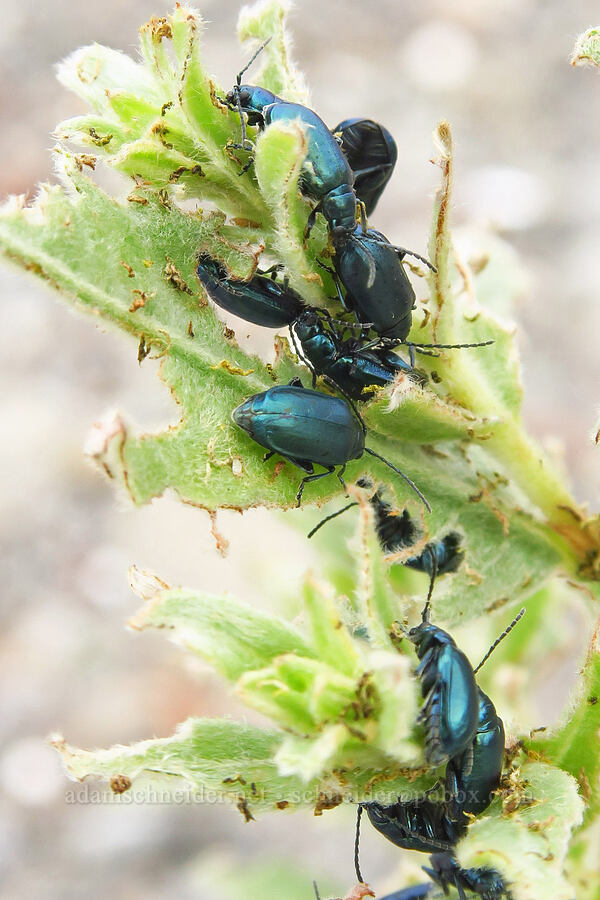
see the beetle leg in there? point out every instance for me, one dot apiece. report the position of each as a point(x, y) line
point(467, 762)
point(432, 789)
point(268, 455)
point(295, 382)
point(340, 475)
point(315, 477)
point(349, 400)
point(322, 265)
point(247, 166)
point(246, 145)
point(370, 170)
point(460, 889)
point(272, 271)
point(340, 293)
point(311, 221)
point(363, 216)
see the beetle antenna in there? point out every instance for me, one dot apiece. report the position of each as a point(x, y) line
point(356, 845)
point(317, 895)
point(420, 495)
point(427, 608)
point(332, 516)
point(299, 353)
point(236, 92)
point(402, 251)
point(362, 326)
point(498, 640)
point(448, 346)
point(238, 79)
point(363, 215)
point(241, 114)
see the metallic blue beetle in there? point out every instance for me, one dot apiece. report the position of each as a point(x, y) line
point(346, 363)
point(376, 286)
point(326, 174)
point(367, 265)
point(371, 281)
point(308, 428)
point(450, 709)
point(372, 153)
point(472, 777)
point(261, 300)
point(398, 531)
point(305, 427)
point(264, 301)
point(444, 869)
point(418, 824)
point(470, 781)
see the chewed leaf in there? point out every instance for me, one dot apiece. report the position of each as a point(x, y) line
point(460, 439)
point(215, 755)
point(95, 72)
point(528, 846)
point(162, 124)
point(231, 636)
point(345, 720)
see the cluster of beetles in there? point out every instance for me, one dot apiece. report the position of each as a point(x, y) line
point(345, 171)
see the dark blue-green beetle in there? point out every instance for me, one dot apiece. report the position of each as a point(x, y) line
point(267, 302)
point(350, 366)
point(473, 776)
point(308, 428)
point(377, 288)
point(305, 427)
point(450, 710)
point(418, 824)
point(372, 153)
point(261, 300)
point(398, 531)
point(326, 174)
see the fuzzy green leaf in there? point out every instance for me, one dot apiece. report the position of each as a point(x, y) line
point(332, 705)
point(574, 745)
point(344, 725)
point(233, 637)
point(204, 755)
point(529, 845)
point(275, 70)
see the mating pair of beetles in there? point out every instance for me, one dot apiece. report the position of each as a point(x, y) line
point(345, 171)
point(463, 729)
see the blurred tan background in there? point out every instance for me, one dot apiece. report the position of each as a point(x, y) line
point(527, 131)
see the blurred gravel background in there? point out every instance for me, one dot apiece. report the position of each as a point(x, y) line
point(527, 130)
